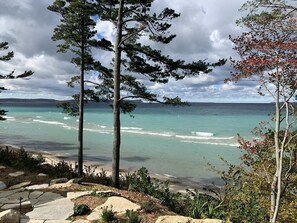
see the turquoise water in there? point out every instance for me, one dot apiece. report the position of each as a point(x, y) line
point(170, 141)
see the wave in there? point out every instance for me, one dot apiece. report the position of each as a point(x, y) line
point(97, 130)
point(10, 118)
point(66, 118)
point(102, 126)
point(48, 122)
point(204, 137)
point(204, 134)
point(164, 134)
point(131, 128)
point(212, 143)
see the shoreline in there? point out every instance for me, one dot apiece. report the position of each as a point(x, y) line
point(176, 184)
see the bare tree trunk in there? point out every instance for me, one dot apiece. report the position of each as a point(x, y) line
point(276, 180)
point(81, 101)
point(116, 102)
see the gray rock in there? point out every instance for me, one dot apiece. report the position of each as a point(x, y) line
point(2, 167)
point(17, 186)
point(117, 204)
point(17, 196)
point(16, 174)
point(47, 197)
point(59, 209)
point(25, 204)
point(2, 185)
point(75, 195)
point(37, 187)
point(10, 192)
point(35, 194)
point(58, 181)
point(9, 216)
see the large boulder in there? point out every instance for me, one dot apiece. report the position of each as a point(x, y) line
point(10, 216)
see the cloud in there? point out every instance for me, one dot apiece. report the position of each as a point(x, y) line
point(202, 31)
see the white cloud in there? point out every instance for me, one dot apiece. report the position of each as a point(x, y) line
point(202, 31)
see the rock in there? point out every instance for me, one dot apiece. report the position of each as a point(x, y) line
point(117, 204)
point(2, 167)
point(17, 196)
point(9, 216)
point(107, 193)
point(58, 181)
point(57, 221)
point(35, 194)
point(2, 185)
point(60, 185)
point(42, 175)
point(27, 220)
point(75, 195)
point(16, 174)
point(25, 204)
point(182, 219)
point(81, 221)
point(47, 197)
point(37, 187)
point(58, 210)
point(75, 181)
point(10, 192)
point(17, 186)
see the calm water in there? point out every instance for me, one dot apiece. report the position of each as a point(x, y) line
point(172, 141)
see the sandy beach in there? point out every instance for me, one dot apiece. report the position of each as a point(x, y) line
point(175, 184)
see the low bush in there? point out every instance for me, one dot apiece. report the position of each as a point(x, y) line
point(132, 217)
point(81, 209)
point(108, 215)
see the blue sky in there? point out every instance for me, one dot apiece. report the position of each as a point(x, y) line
point(202, 31)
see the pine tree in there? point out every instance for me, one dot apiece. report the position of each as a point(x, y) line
point(5, 58)
point(133, 20)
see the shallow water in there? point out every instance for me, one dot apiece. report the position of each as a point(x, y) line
point(173, 141)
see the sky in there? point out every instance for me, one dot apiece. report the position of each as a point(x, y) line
point(202, 31)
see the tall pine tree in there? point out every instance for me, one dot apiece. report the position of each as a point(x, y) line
point(76, 34)
point(132, 20)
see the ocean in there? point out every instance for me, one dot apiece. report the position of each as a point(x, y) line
point(174, 142)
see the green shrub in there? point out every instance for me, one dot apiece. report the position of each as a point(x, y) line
point(108, 215)
point(81, 209)
point(149, 206)
point(98, 178)
point(132, 217)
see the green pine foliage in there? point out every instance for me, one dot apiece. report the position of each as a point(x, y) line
point(5, 58)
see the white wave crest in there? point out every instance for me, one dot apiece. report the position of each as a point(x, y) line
point(163, 134)
point(212, 143)
point(204, 134)
point(48, 122)
point(131, 128)
point(10, 118)
point(102, 126)
point(66, 118)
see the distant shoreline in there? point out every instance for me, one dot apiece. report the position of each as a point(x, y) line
point(55, 101)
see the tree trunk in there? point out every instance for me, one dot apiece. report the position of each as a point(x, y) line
point(275, 190)
point(116, 101)
point(81, 101)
